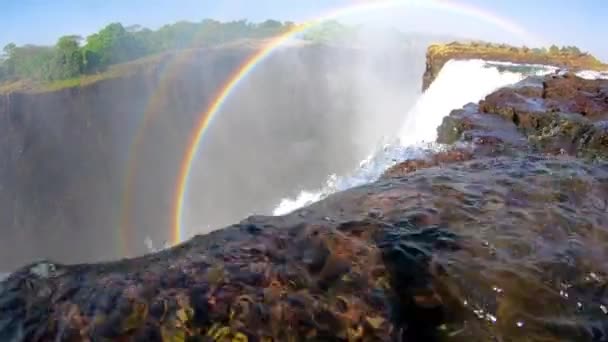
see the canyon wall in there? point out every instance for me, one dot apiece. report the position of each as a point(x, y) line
point(88, 173)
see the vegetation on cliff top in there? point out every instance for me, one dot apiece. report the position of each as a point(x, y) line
point(75, 61)
point(567, 56)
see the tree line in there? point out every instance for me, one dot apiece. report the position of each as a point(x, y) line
point(74, 55)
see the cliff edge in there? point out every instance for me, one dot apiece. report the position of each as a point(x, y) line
point(503, 235)
point(570, 58)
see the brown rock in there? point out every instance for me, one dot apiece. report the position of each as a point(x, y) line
point(445, 236)
point(438, 159)
point(558, 114)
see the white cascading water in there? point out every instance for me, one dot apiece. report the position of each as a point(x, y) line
point(593, 75)
point(458, 83)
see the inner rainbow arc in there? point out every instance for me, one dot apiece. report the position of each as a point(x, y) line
point(241, 73)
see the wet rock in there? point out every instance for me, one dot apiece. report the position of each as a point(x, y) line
point(556, 114)
point(573, 94)
point(468, 250)
point(438, 159)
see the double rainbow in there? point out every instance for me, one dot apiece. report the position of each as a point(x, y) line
point(205, 120)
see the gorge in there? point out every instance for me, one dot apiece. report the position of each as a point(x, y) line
point(500, 233)
point(95, 167)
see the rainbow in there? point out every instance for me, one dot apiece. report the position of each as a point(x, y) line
point(151, 111)
point(249, 65)
point(205, 120)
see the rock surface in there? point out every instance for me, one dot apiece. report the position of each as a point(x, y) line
point(509, 247)
point(556, 114)
point(438, 54)
point(502, 237)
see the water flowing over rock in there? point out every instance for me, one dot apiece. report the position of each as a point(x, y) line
point(503, 236)
point(439, 54)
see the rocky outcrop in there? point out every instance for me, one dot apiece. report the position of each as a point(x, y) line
point(502, 236)
point(439, 54)
point(558, 114)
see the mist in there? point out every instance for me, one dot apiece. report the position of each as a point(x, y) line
point(308, 111)
point(89, 173)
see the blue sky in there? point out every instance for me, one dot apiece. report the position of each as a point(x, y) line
point(564, 22)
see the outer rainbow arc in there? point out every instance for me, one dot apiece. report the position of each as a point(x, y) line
point(150, 111)
point(249, 65)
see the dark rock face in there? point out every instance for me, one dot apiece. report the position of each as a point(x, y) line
point(558, 114)
point(502, 237)
point(473, 250)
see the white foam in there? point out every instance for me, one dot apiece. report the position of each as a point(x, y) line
point(593, 75)
point(369, 170)
point(152, 248)
point(543, 68)
point(458, 83)
point(288, 205)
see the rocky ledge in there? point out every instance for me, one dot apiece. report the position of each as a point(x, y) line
point(504, 236)
point(571, 58)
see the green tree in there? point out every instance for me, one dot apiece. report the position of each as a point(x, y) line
point(116, 44)
point(8, 59)
point(30, 61)
point(113, 44)
point(327, 31)
point(289, 25)
point(68, 60)
point(145, 39)
point(574, 50)
point(210, 32)
point(269, 28)
point(8, 50)
point(177, 36)
point(553, 49)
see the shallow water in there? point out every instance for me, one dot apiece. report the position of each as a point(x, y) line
point(533, 234)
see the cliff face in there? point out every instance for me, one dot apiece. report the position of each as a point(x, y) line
point(66, 155)
point(64, 160)
point(439, 54)
point(501, 236)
